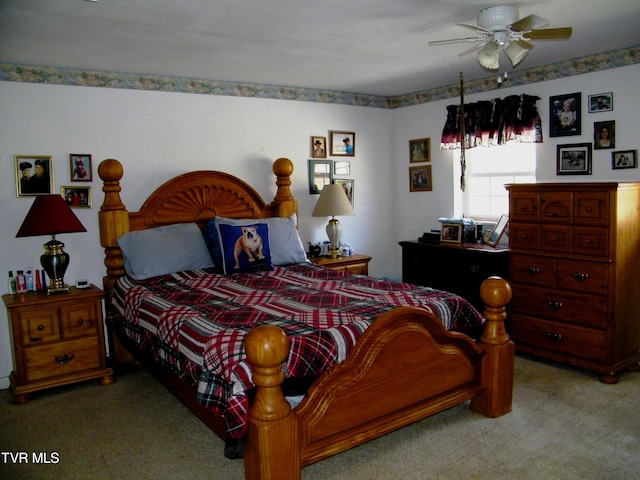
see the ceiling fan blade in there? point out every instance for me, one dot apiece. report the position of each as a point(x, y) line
point(531, 22)
point(471, 50)
point(477, 28)
point(523, 44)
point(561, 33)
point(456, 40)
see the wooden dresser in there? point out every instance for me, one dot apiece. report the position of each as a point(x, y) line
point(57, 339)
point(457, 268)
point(575, 273)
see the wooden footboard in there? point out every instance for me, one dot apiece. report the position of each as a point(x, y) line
point(404, 368)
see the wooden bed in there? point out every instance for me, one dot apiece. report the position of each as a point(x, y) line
point(352, 403)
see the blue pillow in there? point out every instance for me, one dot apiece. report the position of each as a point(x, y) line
point(245, 248)
point(163, 250)
point(284, 241)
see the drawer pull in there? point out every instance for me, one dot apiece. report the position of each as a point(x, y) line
point(40, 327)
point(35, 339)
point(66, 358)
point(581, 277)
point(474, 268)
point(533, 270)
point(80, 321)
point(554, 305)
point(554, 337)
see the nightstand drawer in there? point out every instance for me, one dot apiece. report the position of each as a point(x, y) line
point(79, 320)
point(559, 338)
point(39, 325)
point(56, 359)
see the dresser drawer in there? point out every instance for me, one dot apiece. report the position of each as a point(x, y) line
point(591, 241)
point(555, 238)
point(533, 270)
point(556, 207)
point(524, 208)
point(567, 307)
point(591, 208)
point(61, 358)
point(39, 325)
point(525, 236)
point(560, 338)
point(580, 276)
point(80, 320)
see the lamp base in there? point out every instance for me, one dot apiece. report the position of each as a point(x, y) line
point(55, 262)
point(334, 252)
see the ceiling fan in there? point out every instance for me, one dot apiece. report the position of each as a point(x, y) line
point(499, 29)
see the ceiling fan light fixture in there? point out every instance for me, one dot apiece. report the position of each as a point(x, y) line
point(497, 18)
point(516, 53)
point(488, 56)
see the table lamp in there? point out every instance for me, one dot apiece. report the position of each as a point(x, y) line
point(333, 201)
point(50, 215)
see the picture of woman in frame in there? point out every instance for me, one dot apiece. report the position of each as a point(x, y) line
point(604, 135)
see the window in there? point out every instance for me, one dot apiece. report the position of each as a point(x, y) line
point(488, 170)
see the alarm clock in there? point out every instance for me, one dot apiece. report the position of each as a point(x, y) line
point(83, 284)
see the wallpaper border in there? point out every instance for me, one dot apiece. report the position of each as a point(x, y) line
point(93, 78)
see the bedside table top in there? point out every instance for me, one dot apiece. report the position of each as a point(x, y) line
point(12, 300)
point(348, 259)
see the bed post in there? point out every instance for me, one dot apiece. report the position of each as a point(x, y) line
point(287, 206)
point(272, 451)
point(497, 364)
point(113, 219)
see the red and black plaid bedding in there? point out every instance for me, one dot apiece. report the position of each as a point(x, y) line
point(194, 323)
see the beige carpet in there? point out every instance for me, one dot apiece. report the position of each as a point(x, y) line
point(565, 425)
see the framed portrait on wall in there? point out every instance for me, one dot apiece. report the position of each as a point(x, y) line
point(80, 167)
point(320, 174)
point(601, 102)
point(34, 175)
point(565, 113)
point(604, 135)
point(77, 196)
point(318, 147)
point(574, 159)
point(624, 159)
point(342, 143)
point(347, 185)
point(419, 150)
point(420, 179)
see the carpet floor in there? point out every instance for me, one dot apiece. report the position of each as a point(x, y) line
point(565, 425)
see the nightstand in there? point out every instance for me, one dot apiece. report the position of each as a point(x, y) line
point(354, 264)
point(57, 339)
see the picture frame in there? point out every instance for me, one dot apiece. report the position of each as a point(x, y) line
point(318, 147)
point(77, 196)
point(496, 234)
point(565, 115)
point(420, 179)
point(451, 233)
point(80, 167)
point(34, 175)
point(342, 143)
point(320, 174)
point(604, 135)
point(420, 150)
point(342, 167)
point(348, 186)
point(574, 159)
point(624, 159)
point(600, 102)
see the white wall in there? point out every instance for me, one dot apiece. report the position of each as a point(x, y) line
point(158, 135)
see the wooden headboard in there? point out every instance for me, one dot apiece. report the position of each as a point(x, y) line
point(191, 197)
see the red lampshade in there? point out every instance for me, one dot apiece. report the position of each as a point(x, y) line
point(49, 215)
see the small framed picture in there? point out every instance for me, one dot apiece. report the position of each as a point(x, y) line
point(347, 185)
point(420, 179)
point(318, 147)
point(566, 115)
point(77, 196)
point(342, 143)
point(320, 174)
point(604, 135)
point(624, 159)
point(341, 167)
point(80, 167)
point(601, 102)
point(451, 233)
point(420, 150)
point(34, 175)
point(574, 159)
point(497, 231)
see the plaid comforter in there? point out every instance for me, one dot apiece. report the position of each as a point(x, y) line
point(194, 323)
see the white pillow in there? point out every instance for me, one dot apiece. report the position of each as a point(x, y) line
point(163, 250)
point(284, 240)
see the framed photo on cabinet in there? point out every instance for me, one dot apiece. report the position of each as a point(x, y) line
point(451, 233)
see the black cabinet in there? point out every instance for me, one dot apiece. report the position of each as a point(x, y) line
point(460, 269)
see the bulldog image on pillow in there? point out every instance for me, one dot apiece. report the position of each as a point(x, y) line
point(250, 242)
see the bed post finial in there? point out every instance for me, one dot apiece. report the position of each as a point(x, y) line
point(287, 206)
point(272, 449)
point(113, 219)
point(497, 364)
